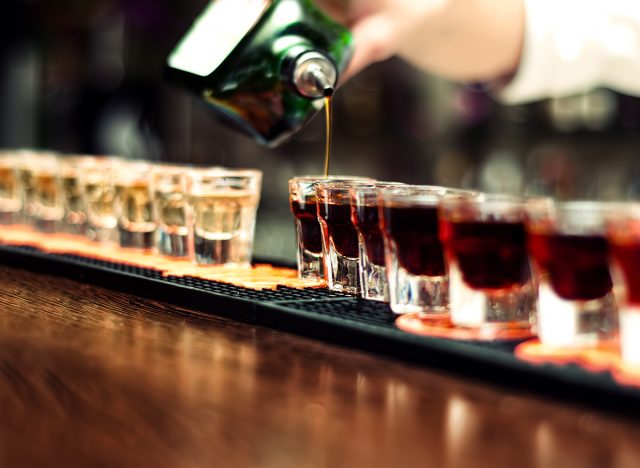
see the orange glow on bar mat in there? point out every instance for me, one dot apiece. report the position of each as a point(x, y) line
point(441, 327)
point(260, 276)
point(604, 358)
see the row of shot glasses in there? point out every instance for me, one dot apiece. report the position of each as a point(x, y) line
point(202, 214)
point(568, 271)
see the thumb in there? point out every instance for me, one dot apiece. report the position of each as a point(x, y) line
point(374, 41)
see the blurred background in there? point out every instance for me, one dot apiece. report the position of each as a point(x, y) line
point(85, 76)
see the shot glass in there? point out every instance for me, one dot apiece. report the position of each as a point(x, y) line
point(27, 163)
point(222, 213)
point(48, 202)
point(339, 236)
point(415, 262)
point(99, 193)
point(567, 241)
point(134, 205)
point(304, 206)
point(491, 286)
point(75, 214)
point(10, 202)
point(366, 219)
point(623, 233)
point(173, 237)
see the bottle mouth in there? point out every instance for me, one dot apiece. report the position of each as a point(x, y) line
point(315, 75)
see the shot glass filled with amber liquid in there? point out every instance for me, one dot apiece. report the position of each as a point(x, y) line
point(98, 190)
point(10, 200)
point(75, 213)
point(134, 205)
point(173, 236)
point(48, 199)
point(222, 214)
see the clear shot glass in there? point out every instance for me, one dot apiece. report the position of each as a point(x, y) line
point(416, 268)
point(304, 207)
point(75, 213)
point(10, 196)
point(366, 219)
point(99, 193)
point(134, 205)
point(623, 233)
point(567, 241)
point(491, 286)
point(48, 201)
point(222, 213)
point(27, 163)
point(173, 237)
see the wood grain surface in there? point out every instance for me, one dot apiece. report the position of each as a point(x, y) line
point(91, 377)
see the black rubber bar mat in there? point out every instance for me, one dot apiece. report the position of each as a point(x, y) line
point(339, 319)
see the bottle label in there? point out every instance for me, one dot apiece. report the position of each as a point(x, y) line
point(215, 33)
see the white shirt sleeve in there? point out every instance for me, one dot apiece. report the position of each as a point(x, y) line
point(571, 46)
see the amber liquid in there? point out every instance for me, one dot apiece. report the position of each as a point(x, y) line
point(328, 115)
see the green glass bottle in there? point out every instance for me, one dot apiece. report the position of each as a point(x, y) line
point(263, 65)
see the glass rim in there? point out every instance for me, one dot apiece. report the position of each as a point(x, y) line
point(320, 178)
point(220, 172)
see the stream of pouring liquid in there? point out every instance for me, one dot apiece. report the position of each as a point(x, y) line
point(328, 97)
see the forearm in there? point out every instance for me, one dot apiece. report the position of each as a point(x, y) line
point(465, 40)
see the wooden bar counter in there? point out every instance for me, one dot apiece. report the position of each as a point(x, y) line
point(89, 376)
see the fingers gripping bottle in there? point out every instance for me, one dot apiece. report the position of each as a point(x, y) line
point(263, 66)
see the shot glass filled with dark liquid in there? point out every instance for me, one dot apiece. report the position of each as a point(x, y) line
point(568, 244)
point(365, 215)
point(623, 234)
point(415, 262)
point(304, 207)
point(490, 281)
point(339, 235)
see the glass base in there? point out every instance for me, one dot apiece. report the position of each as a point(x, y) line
point(79, 229)
point(418, 293)
point(373, 281)
point(173, 244)
point(567, 323)
point(137, 239)
point(209, 251)
point(507, 308)
point(10, 217)
point(48, 226)
point(342, 273)
point(310, 265)
point(103, 235)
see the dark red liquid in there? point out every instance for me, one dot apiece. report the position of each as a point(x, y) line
point(577, 266)
point(307, 215)
point(414, 230)
point(342, 232)
point(490, 255)
point(627, 256)
point(365, 218)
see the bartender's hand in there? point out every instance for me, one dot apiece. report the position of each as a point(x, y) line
point(467, 40)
